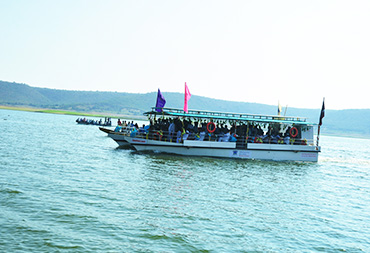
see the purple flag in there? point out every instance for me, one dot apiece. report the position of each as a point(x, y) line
point(160, 101)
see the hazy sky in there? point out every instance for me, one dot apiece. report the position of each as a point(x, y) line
point(295, 52)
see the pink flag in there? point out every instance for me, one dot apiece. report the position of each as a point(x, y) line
point(187, 97)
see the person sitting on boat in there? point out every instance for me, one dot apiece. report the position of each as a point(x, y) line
point(203, 125)
point(142, 129)
point(185, 135)
point(287, 138)
point(118, 129)
point(119, 122)
point(233, 138)
point(254, 131)
point(258, 139)
point(202, 134)
point(274, 139)
point(266, 138)
point(178, 136)
point(191, 126)
point(218, 132)
point(133, 132)
point(280, 140)
point(225, 137)
point(157, 135)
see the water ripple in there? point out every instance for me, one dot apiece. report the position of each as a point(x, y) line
point(67, 188)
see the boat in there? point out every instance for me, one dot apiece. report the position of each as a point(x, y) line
point(119, 134)
point(105, 130)
point(84, 121)
point(223, 135)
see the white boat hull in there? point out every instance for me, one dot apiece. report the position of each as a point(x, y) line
point(120, 139)
point(276, 152)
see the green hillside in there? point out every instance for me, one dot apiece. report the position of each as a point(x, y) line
point(338, 122)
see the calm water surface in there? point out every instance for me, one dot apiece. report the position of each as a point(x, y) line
point(67, 188)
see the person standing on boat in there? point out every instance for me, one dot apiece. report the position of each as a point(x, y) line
point(287, 138)
point(178, 129)
point(171, 131)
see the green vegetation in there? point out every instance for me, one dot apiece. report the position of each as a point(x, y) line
point(129, 105)
point(85, 114)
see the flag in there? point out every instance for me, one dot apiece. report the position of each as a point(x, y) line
point(322, 114)
point(187, 97)
point(279, 108)
point(160, 101)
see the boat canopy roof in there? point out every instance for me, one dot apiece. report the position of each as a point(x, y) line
point(172, 112)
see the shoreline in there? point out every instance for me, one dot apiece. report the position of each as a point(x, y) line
point(132, 117)
point(72, 113)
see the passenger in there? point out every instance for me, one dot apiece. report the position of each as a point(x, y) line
point(274, 139)
point(178, 137)
point(281, 139)
point(158, 135)
point(151, 129)
point(225, 137)
point(287, 138)
point(202, 134)
point(133, 132)
point(118, 129)
point(253, 131)
point(142, 129)
point(191, 136)
point(258, 139)
point(218, 133)
point(178, 124)
point(259, 131)
point(266, 138)
point(185, 135)
point(233, 138)
point(119, 122)
point(171, 131)
point(232, 129)
point(224, 129)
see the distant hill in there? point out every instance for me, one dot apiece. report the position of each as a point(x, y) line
point(339, 122)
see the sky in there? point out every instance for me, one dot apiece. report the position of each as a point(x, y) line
point(288, 52)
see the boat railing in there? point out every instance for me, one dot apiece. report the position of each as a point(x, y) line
point(179, 137)
point(225, 115)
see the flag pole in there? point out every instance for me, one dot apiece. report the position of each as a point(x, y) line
point(322, 114)
point(318, 136)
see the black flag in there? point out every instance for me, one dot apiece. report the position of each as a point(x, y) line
point(322, 115)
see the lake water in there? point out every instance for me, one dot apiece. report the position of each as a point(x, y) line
point(68, 188)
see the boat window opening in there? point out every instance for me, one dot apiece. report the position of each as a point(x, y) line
point(179, 129)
